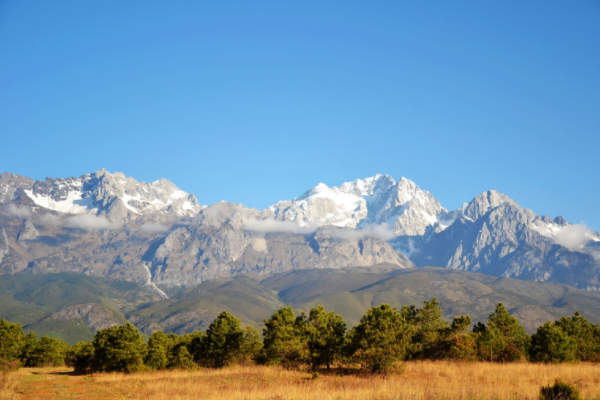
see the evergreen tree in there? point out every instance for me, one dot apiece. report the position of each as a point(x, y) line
point(325, 334)
point(284, 339)
point(81, 357)
point(223, 343)
point(11, 341)
point(552, 344)
point(251, 347)
point(585, 335)
point(381, 339)
point(430, 330)
point(47, 352)
point(119, 349)
point(504, 339)
point(181, 359)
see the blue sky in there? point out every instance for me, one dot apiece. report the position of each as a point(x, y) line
point(255, 102)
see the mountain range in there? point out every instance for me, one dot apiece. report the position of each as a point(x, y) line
point(112, 226)
point(79, 254)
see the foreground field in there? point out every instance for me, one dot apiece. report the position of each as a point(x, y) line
point(422, 380)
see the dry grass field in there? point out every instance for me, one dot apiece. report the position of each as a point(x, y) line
point(422, 380)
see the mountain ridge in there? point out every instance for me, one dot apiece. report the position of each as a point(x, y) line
point(155, 234)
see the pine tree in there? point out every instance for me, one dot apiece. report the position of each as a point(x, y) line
point(285, 342)
point(430, 330)
point(504, 339)
point(325, 334)
point(223, 343)
point(381, 340)
point(585, 335)
point(47, 352)
point(552, 344)
point(119, 349)
point(11, 341)
point(81, 357)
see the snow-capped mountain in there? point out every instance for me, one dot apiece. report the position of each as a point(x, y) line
point(403, 206)
point(102, 193)
point(109, 225)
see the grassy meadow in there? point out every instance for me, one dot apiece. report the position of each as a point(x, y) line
point(421, 380)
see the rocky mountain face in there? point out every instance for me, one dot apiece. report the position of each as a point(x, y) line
point(95, 316)
point(496, 236)
point(109, 225)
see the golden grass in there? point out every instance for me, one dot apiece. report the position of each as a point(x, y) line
point(422, 380)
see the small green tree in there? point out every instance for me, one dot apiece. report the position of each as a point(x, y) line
point(81, 357)
point(119, 349)
point(284, 341)
point(381, 340)
point(48, 352)
point(223, 343)
point(11, 341)
point(585, 335)
point(504, 339)
point(160, 348)
point(552, 344)
point(325, 334)
point(251, 346)
point(430, 330)
point(181, 359)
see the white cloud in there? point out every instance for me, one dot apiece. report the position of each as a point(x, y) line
point(573, 237)
point(270, 225)
point(19, 211)
point(154, 228)
point(381, 231)
point(86, 221)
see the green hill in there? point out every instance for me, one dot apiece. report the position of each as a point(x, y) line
point(31, 299)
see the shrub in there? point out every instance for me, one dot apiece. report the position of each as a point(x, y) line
point(559, 391)
point(380, 341)
point(119, 349)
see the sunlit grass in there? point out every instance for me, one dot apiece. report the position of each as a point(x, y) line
point(422, 380)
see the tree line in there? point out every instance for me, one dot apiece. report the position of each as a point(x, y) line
point(318, 339)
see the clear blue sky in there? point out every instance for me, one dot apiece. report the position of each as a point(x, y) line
point(255, 102)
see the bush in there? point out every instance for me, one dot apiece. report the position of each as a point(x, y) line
point(380, 341)
point(559, 391)
point(119, 349)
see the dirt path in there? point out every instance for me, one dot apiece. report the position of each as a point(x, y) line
point(62, 383)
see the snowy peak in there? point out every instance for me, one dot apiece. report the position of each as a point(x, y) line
point(402, 205)
point(102, 193)
point(369, 186)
